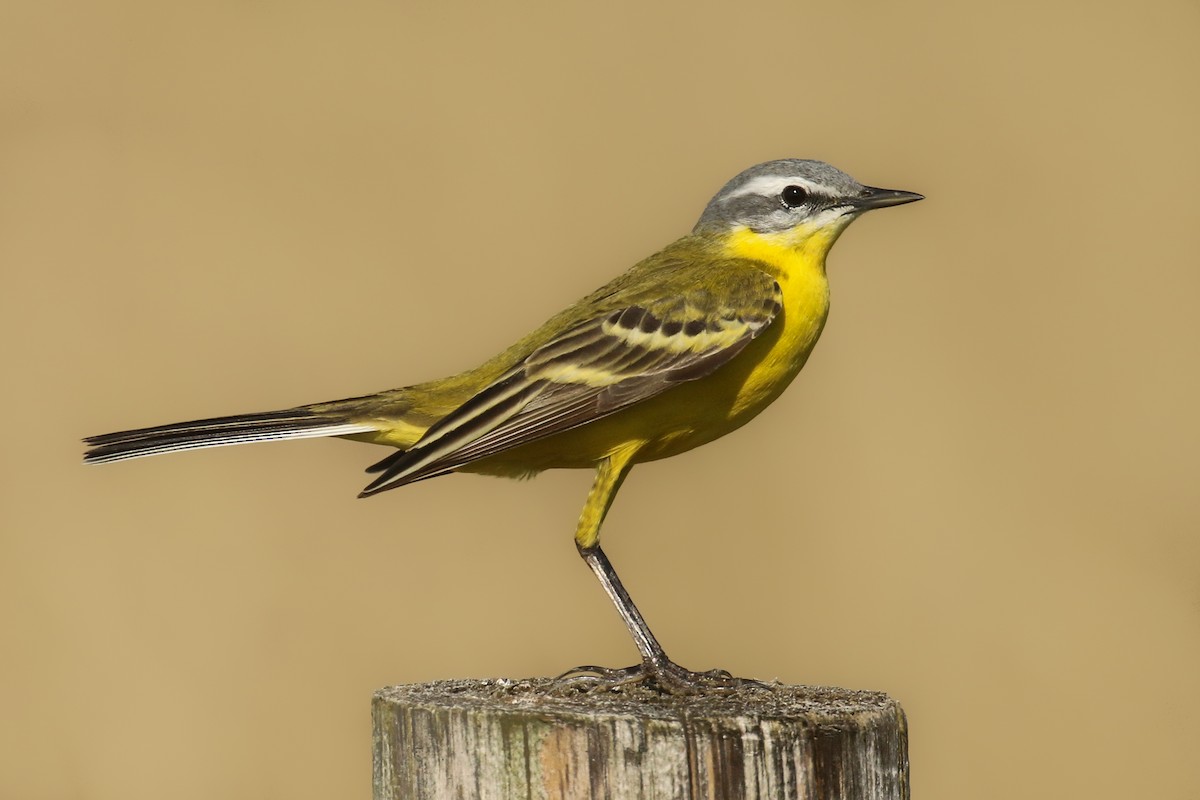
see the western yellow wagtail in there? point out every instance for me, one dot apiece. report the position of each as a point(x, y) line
point(685, 347)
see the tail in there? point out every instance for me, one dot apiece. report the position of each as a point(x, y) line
point(294, 423)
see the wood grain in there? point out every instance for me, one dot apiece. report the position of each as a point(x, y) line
point(535, 740)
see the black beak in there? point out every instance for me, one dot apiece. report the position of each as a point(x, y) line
point(882, 198)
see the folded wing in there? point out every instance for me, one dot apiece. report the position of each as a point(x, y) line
point(620, 357)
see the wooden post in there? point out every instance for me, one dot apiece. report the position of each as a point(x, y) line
point(528, 739)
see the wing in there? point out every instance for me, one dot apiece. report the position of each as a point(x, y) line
point(610, 362)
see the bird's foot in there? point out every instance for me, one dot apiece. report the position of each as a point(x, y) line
point(667, 676)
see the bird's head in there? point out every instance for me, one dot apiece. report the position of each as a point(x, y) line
point(793, 203)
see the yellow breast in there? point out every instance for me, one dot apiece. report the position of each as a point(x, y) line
point(798, 259)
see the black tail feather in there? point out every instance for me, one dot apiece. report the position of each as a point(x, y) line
point(296, 423)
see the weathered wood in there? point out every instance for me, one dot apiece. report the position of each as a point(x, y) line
point(501, 740)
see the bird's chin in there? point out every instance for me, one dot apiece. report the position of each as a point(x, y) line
point(824, 229)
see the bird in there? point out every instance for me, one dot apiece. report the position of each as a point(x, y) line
point(686, 346)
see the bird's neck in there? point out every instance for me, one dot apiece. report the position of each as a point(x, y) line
point(786, 253)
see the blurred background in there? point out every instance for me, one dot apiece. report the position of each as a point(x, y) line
point(980, 496)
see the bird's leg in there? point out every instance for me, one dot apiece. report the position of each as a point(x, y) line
point(655, 665)
point(653, 656)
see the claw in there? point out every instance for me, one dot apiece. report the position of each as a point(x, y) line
point(667, 676)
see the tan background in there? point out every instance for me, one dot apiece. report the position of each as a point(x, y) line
point(980, 497)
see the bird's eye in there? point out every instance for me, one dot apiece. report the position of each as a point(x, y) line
point(793, 196)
